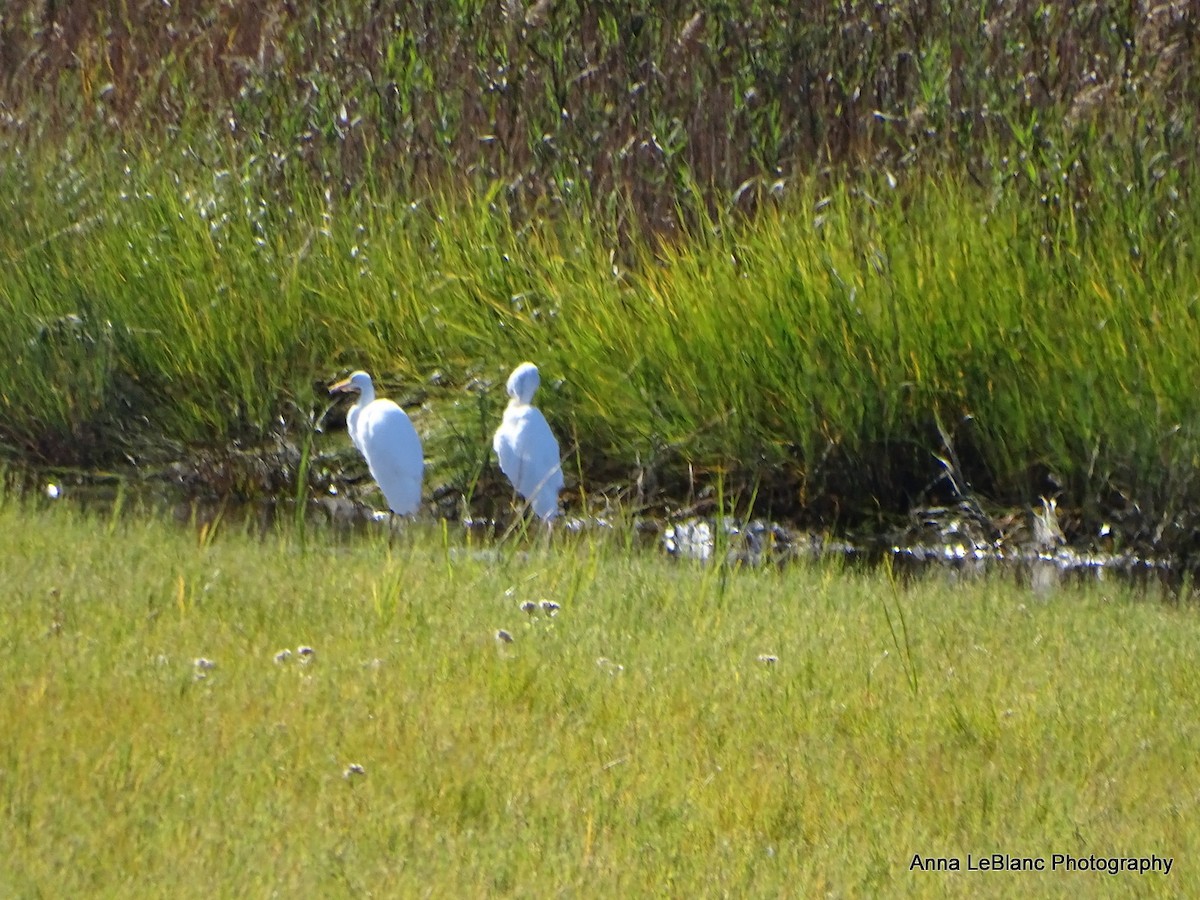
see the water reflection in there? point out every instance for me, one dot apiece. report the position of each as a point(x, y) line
point(949, 542)
point(953, 551)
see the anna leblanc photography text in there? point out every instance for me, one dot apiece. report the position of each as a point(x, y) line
point(1057, 862)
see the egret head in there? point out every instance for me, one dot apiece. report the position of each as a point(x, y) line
point(359, 382)
point(523, 382)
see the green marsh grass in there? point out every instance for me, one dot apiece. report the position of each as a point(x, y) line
point(806, 251)
point(825, 350)
point(634, 743)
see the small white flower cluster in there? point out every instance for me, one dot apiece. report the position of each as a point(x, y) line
point(531, 607)
point(304, 654)
point(201, 666)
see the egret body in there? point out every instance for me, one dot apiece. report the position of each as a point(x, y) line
point(526, 447)
point(383, 434)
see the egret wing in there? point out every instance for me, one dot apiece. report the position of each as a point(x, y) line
point(394, 454)
point(539, 464)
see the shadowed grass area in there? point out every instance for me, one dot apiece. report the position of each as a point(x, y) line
point(676, 728)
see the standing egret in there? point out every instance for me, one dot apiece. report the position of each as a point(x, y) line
point(526, 447)
point(387, 440)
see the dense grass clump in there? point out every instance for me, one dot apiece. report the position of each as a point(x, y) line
point(669, 727)
point(837, 352)
point(833, 259)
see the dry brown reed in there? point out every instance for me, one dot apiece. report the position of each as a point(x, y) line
point(648, 105)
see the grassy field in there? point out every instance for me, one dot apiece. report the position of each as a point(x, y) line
point(671, 729)
point(819, 257)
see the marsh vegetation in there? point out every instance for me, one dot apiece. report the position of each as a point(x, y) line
point(842, 259)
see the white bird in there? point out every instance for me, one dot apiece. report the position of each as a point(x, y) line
point(526, 447)
point(383, 434)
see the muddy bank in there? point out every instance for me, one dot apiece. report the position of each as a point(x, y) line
point(329, 491)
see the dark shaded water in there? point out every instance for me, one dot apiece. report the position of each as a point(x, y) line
point(951, 541)
point(1041, 566)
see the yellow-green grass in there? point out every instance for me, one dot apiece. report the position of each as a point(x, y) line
point(638, 742)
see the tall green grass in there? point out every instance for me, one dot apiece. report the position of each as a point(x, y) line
point(806, 254)
point(828, 350)
point(672, 728)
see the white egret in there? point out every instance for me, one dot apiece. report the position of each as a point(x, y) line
point(526, 447)
point(387, 440)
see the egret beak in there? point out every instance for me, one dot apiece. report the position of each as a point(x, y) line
point(342, 387)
